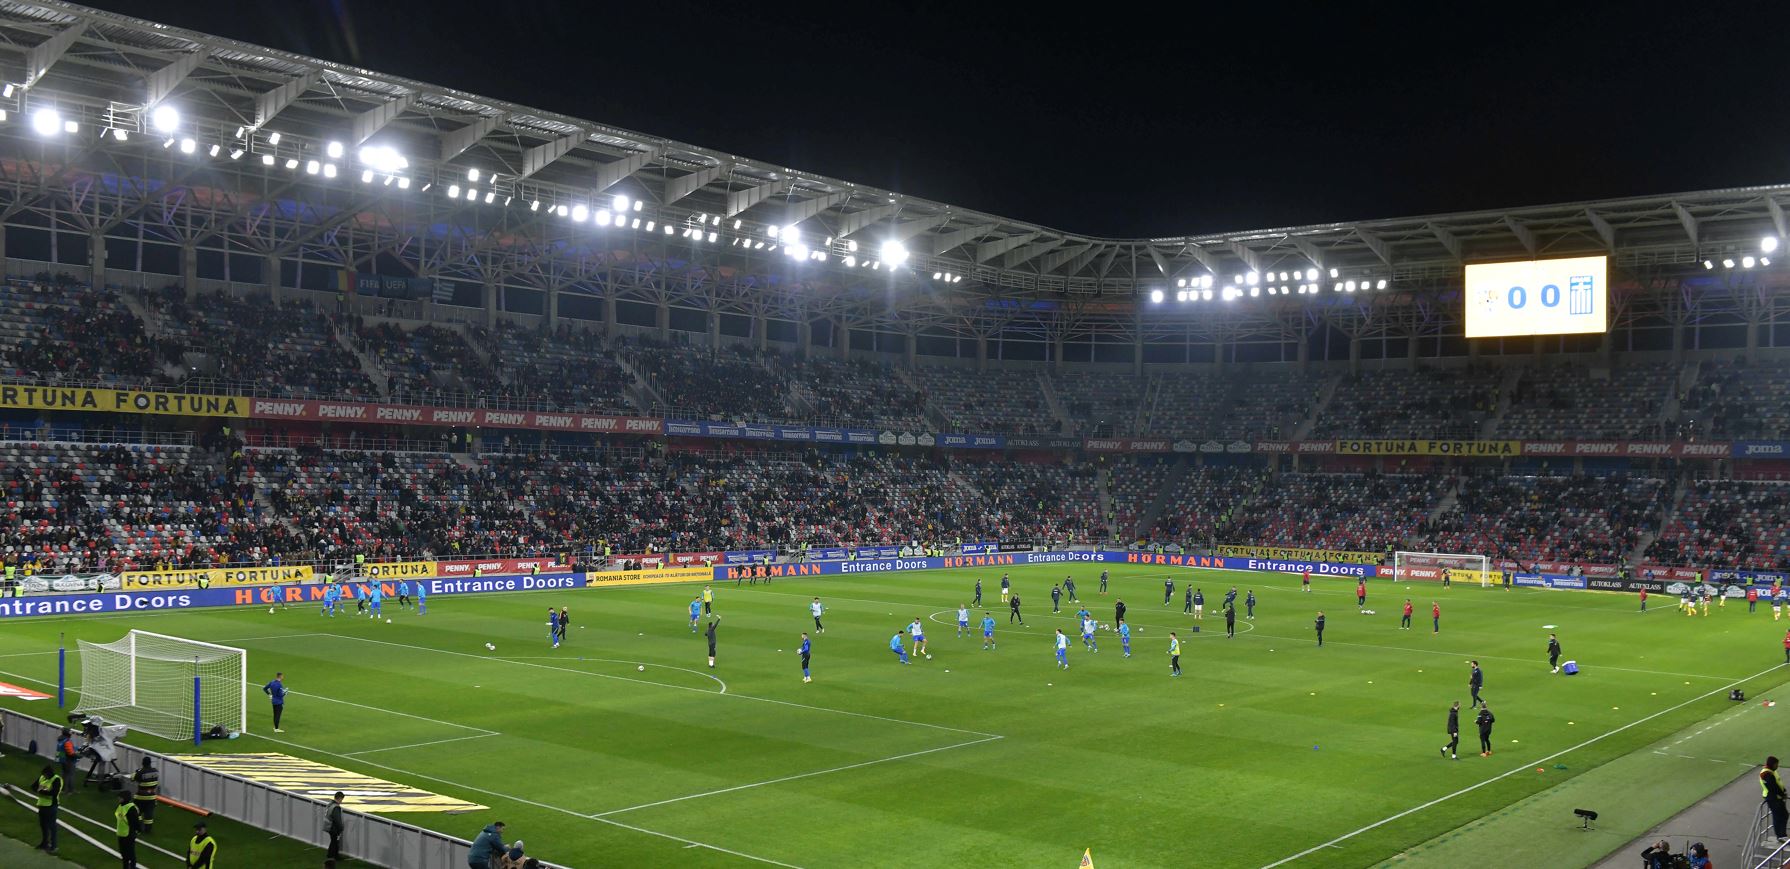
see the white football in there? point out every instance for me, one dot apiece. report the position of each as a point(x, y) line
point(928, 657)
point(641, 668)
point(270, 610)
point(388, 621)
point(490, 647)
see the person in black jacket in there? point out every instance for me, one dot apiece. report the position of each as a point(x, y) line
point(333, 826)
point(149, 786)
point(1118, 613)
point(1319, 624)
point(1230, 621)
point(1475, 681)
point(1554, 652)
point(1013, 610)
point(1485, 721)
point(1454, 731)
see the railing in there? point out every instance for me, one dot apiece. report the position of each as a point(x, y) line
point(90, 436)
point(371, 838)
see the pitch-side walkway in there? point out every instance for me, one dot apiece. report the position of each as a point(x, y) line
point(1720, 822)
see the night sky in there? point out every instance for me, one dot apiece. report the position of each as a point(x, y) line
point(1117, 122)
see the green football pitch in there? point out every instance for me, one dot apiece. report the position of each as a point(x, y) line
point(1269, 748)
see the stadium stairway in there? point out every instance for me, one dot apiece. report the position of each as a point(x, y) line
point(1638, 555)
point(646, 399)
point(1318, 409)
point(1055, 404)
point(369, 364)
point(1506, 388)
point(1147, 518)
point(152, 328)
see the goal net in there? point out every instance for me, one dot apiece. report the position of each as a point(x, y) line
point(167, 686)
point(1440, 566)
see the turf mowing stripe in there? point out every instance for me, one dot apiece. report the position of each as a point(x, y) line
point(668, 685)
point(788, 778)
point(421, 744)
point(1523, 768)
point(524, 801)
point(1487, 657)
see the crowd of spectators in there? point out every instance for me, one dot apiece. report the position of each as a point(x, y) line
point(1355, 512)
point(285, 349)
point(1736, 400)
point(427, 364)
point(568, 369)
point(1728, 523)
point(733, 384)
point(1598, 520)
point(1003, 400)
point(1591, 404)
point(857, 393)
point(1425, 403)
point(65, 332)
point(1104, 404)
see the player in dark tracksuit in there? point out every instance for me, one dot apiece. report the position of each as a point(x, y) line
point(1103, 582)
point(1484, 720)
point(1168, 591)
point(1118, 613)
point(1013, 611)
point(711, 636)
point(978, 601)
point(1188, 606)
point(1319, 624)
point(1249, 602)
point(1056, 598)
point(1475, 681)
point(1230, 621)
point(1454, 731)
point(1554, 652)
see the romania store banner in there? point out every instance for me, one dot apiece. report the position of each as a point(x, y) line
point(147, 580)
point(121, 401)
point(1341, 556)
point(642, 577)
point(1429, 448)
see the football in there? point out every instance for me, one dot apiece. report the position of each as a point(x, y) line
point(641, 668)
point(270, 610)
point(388, 621)
point(490, 647)
point(928, 657)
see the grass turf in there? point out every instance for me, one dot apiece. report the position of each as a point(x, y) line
point(1268, 748)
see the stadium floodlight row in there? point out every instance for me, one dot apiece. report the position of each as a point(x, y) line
point(236, 117)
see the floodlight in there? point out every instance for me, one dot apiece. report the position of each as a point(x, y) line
point(636, 224)
point(1180, 295)
point(453, 191)
point(736, 223)
point(791, 234)
point(638, 204)
point(1339, 286)
point(1206, 294)
point(1252, 278)
point(47, 122)
point(472, 194)
point(7, 92)
point(758, 246)
point(366, 176)
point(291, 162)
point(404, 184)
point(796, 251)
point(649, 225)
point(1728, 263)
point(1206, 282)
point(1747, 262)
point(851, 246)
point(334, 150)
point(273, 138)
point(120, 133)
point(1708, 265)
point(1381, 285)
point(773, 230)
point(164, 118)
point(668, 229)
point(312, 167)
point(384, 159)
point(712, 237)
point(1311, 274)
point(894, 252)
point(1768, 243)
point(214, 150)
point(236, 153)
point(472, 174)
point(70, 127)
point(490, 196)
point(602, 217)
point(851, 261)
point(267, 159)
point(535, 205)
point(240, 131)
point(1350, 286)
point(1765, 260)
point(188, 146)
point(620, 220)
point(329, 170)
point(621, 203)
point(937, 275)
point(1333, 273)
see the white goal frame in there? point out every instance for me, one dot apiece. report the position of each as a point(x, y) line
point(1402, 559)
point(108, 700)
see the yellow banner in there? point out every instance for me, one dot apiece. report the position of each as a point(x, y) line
point(641, 577)
point(226, 577)
point(1287, 553)
point(122, 401)
point(308, 778)
point(398, 570)
point(1478, 449)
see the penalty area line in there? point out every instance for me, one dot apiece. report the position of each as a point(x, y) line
point(790, 778)
point(1523, 768)
point(421, 744)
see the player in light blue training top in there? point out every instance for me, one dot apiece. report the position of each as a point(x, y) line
point(404, 594)
point(1087, 634)
point(695, 613)
point(1062, 650)
point(1125, 637)
point(895, 646)
point(987, 631)
point(963, 621)
point(331, 594)
point(374, 598)
point(422, 597)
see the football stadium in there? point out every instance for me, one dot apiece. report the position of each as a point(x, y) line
point(871, 530)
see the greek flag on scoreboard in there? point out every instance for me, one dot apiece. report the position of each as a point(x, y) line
point(1579, 296)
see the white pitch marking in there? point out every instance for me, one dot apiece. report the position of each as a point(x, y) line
point(421, 744)
point(1523, 768)
point(711, 676)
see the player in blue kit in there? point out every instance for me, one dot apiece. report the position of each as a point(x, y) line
point(404, 594)
point(804, 652)
point(1062, 650)
point(422, 597)
point(1249, 602)
point(895, 646)
point(695, 613)
point(330, 596)
point(987, 631)
point(374, 598)
point(1125, 638)
point(1087, 633)
point(963, 621)
point(553, 626)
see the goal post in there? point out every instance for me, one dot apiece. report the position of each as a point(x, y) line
point(166, 686)
point(1440, 566)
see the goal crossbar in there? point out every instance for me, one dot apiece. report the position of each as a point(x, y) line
point(165, 685)
point(1443, 566)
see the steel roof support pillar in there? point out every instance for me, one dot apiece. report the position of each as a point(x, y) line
point(662, 319)
point(759, 327)
point(189, 269)
point(804, 334)
point(714, 317)
point(490, 296)
point(913, 350)
point(96, 257)
point(842, 338)
point(552, 308)
point(270, 275)
point(1056, 353)
point(981, 352)
point(1354, 354)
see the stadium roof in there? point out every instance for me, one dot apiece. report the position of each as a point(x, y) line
point(111, 70)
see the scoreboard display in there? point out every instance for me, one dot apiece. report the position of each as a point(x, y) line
point(1567, 296)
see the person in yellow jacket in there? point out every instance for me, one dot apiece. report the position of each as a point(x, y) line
point(130, 826)
point(48, 790)
point(202, 851)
